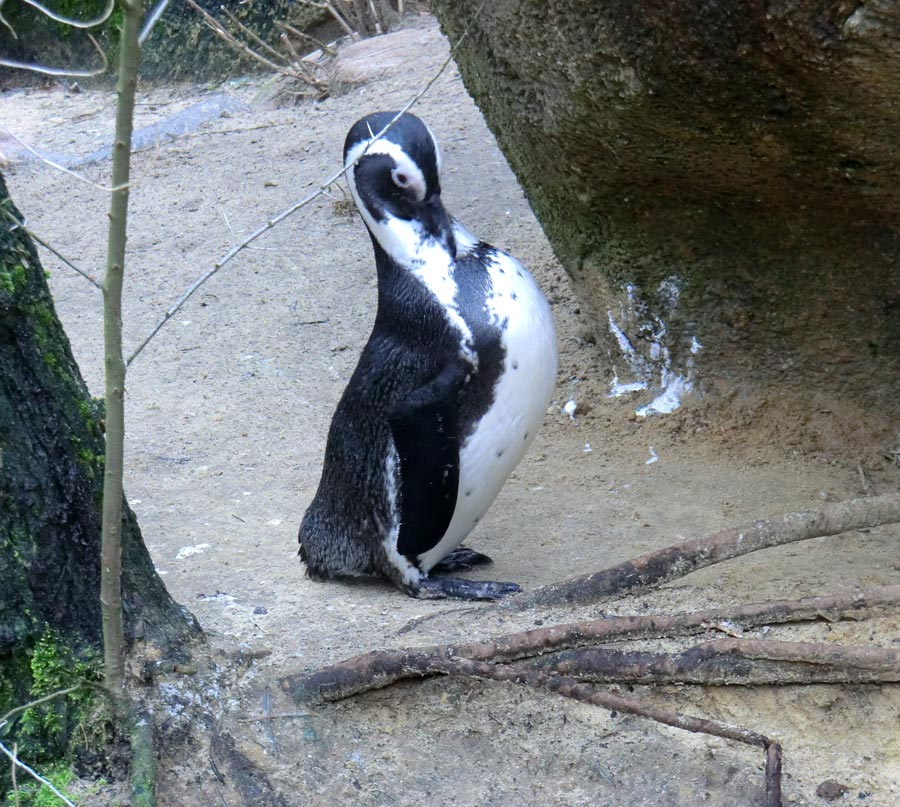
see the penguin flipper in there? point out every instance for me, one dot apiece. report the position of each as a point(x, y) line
point(423, 427)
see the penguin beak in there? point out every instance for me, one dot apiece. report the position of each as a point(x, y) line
point(437, 223)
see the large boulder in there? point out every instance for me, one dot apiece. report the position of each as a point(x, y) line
point(722, 180)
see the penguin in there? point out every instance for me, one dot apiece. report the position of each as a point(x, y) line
point(449, 390)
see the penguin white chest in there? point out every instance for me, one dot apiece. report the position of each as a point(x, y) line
point(517, 308)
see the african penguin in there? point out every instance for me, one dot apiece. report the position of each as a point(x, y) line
point(449, 390)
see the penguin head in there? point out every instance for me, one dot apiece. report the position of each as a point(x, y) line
point(395, 181)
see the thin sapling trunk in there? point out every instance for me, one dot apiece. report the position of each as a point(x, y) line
point(111, 541)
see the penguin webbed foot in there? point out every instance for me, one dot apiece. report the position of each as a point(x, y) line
point(455, 588)
point(461, 559)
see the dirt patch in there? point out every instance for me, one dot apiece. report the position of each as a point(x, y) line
point(227, 415)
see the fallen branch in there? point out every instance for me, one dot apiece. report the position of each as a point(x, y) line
point(381, 668)
point(673, 562)
point(568, 660)
point(731, 662)
point(585, 693)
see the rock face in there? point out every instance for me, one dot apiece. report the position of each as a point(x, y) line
point(722, 180)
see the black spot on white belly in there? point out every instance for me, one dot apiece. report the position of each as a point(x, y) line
point(515, 365)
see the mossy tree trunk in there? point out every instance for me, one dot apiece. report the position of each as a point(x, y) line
point(51, 477)
point(727, 170)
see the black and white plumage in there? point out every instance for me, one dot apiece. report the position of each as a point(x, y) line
point(449, 390)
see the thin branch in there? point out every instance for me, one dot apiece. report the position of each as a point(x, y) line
point(33, 773)
point(45, 245)
point(12, 32)
point(323, 4)
point(586, 693)
point(52, 164)
point(271, 716)
point(251, 34)
point(12, 774)
point(59, 71)
point(226, 35)
point(277, 219)
point(678, 560)
point(152, 19)
point(381, 668)
point(68, 21)
point(52, 696)
point(298, 65)
point(327, 49)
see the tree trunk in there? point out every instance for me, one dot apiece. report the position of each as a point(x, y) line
point(723, 175)
point(51, 476)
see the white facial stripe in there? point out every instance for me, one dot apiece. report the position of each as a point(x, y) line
point(408, 244)
point(405, 165)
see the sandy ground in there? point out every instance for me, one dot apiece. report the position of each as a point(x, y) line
point(227, 415)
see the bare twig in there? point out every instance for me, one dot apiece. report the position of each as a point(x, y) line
point(35, 775)
point(323, 4)
point(52, 164)
point(60, 693)
point(382, 668)
point(152, 19)
point(586, 693)
point(278, 218)
point(226, 35)
point(12, 774)
point(68, 21)
point(270, 716)
point(251, 34)
point(678, 560)
point(283, 65)
point(578, 690)
point(327, 49)
point(49, 248)
point(60, 71)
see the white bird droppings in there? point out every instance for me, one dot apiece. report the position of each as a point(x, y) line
point(187, 551)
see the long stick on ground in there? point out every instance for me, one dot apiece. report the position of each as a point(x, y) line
point(673, 562)
point(382, 668)
point(731, 662)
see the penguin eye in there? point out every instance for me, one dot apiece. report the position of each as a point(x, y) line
point(401, 179)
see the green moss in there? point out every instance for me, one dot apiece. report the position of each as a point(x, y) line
point(35, 794)
point(49, 733)
point(13, 278)
point(92, 411)
point(91, 461)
